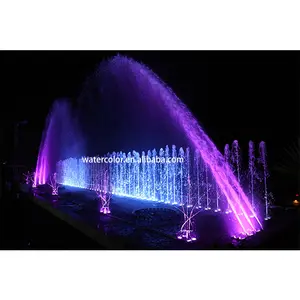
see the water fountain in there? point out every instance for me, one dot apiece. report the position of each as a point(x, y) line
point(28, 177)
point(146, 170)
point(148, 113)
point(61, 139)
point(187, 229)
point(252, 173)
point(236, 160)
point(53, 184)
point(34, 184)
point(227, 158)
point(161, 180)
point(103, 191)
point(263, 161)
point(257, 175)
point(152, 177)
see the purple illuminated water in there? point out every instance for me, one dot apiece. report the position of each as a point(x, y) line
point(123, 89)
point(241, 223)
point(263, 161)
point(227, 161)
point(251, 171)
point(61, 139)
point(236, 159)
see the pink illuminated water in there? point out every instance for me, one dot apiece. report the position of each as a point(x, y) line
point(240, 223)
point(61, 139)
point(137, 81)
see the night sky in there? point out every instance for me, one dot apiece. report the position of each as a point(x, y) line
point(234, 95)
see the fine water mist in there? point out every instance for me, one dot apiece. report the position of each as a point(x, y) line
point(125, 106)
point(61, 139)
